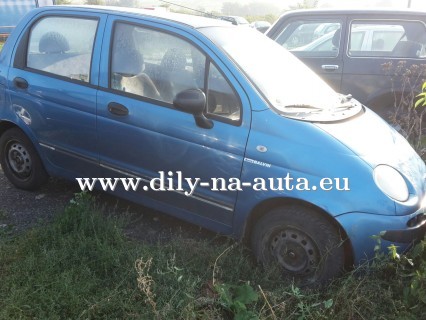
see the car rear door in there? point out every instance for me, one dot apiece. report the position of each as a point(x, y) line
point(141, 134)
point(52, 86)
point(380, 50)
point(317, 41)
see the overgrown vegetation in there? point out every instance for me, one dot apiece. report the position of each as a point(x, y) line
point(408, 112)
point(83, 267)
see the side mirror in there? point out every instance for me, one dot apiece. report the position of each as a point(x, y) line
point(193, 101)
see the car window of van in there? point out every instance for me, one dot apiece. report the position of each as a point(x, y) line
point(158, 65)
point(312, 38)
point(62, 46)
point(405, 39)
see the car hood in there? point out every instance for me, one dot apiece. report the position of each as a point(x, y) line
point(376, 142)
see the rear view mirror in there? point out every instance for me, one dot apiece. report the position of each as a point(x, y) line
point(193, 101)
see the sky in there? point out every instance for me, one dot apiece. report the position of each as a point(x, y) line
point(284, 4)
point(415, 4)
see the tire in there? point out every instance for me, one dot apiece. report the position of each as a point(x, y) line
point(304, 246)
point(20, 161)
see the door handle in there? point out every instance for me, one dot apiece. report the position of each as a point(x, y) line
point(118, 109)
point(20, 83)
point(330, 67)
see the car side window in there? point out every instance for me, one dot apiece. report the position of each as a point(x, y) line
point(402, 39)
point(222, 100)
point(62, 46)
point(154, 64)
point(312, 38)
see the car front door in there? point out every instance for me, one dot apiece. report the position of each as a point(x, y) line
point(52, 87)
point(143, 135)
point(317, 42)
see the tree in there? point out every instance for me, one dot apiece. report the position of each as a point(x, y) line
point(232, 9)
point(252, 9)
point(126, 3)
point(63, 1)
point(94, 2)
point(305, 4)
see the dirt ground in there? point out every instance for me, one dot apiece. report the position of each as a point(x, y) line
point(21, 210)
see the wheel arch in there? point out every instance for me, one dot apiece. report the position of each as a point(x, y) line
point(6, 125)
point(23, 166)
point(261, 209)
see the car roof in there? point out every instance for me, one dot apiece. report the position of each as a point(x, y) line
point(184, 19)
point(357, 11)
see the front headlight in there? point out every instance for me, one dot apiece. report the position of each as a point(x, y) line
point(391, 182)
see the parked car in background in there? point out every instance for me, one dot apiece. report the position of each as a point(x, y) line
point(236, 20)
point(215, 124)
point(12, 11)
point(364, 38)
point(351, 56)
point(261, 26)
point(325, 28)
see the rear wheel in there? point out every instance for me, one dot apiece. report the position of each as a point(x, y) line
point(20, 161)
point(306, 247)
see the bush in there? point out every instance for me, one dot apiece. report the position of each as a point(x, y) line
point(404, 116)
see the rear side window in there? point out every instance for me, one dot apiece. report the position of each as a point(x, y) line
point(62, 46)
point(400, 39)
point(312, 38)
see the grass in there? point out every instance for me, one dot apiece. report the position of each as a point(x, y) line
point(82, 266)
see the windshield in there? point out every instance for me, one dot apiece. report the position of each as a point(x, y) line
point(286, 82)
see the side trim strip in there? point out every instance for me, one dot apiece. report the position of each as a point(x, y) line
point(148, 180)
point(135, 175)
point(69, 153)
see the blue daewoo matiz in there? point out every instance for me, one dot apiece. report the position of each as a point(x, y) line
point(267, 150)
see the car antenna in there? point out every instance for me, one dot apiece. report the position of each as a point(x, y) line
point(200, 11)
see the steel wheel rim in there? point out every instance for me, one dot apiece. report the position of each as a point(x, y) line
point(295, 251)
point(19, 160)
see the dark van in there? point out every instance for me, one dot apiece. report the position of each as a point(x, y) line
point(350, 49)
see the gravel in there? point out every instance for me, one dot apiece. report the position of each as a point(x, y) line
point(21, 210)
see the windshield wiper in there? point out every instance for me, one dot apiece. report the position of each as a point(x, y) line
point(303, 106)
point(345, 102)
point(346, 98)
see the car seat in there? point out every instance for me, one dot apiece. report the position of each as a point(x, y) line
point(336, 38)
point(407, 49)
point(53, 42)
point(127, 74)
point(174, 77)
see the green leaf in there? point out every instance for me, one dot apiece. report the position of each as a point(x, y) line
point(418, 250)
point(224, 294)
point(246, 294)
point(328, 304)
point(246, 315)
point(421, 101)
point(238, 307)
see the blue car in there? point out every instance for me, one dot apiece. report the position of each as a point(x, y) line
point(215, 124)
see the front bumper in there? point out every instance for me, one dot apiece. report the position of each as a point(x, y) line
point(401, 231)
point(414, 233)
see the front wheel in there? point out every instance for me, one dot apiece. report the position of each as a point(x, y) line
point(304, 245)
point(20, 161)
